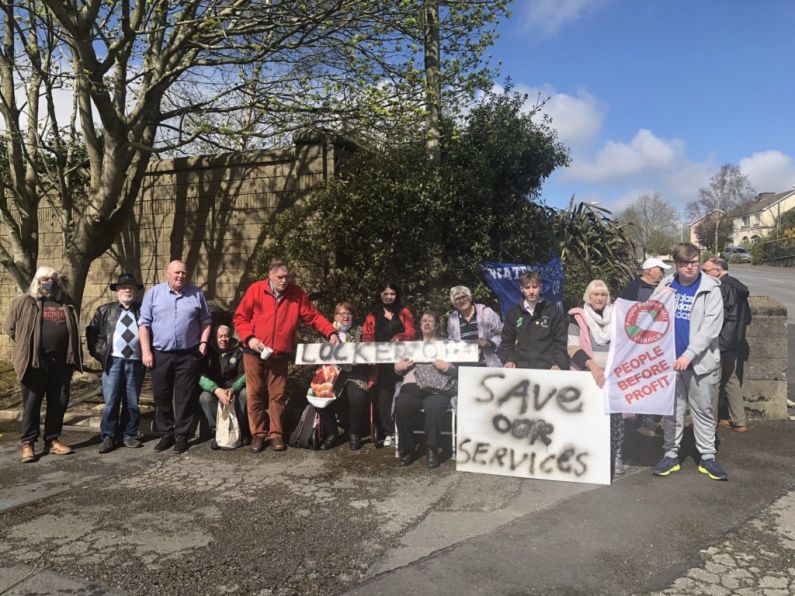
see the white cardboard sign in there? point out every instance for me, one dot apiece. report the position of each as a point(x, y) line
point(532, 423)
point(386, 352)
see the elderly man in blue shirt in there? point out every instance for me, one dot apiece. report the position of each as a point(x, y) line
point(174, 328)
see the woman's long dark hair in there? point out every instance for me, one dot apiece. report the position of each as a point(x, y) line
point(395, 306)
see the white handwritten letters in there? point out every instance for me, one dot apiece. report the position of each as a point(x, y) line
point(385, 352)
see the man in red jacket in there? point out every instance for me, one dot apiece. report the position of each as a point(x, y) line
point(265, 321)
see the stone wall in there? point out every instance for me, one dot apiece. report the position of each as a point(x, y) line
point(212, 212)
point(765, 376)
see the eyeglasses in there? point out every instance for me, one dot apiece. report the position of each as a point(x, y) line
point(344, 314)
point(693, 263)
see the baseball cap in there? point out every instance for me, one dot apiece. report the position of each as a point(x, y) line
point(654, 262)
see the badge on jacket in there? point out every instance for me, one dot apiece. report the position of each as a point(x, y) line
point(543, 321)
point(519, 322)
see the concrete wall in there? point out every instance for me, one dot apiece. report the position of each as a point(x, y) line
point(765, 380)
point(210, 211)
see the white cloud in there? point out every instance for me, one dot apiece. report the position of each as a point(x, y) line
point(577, 118)
point(548, 17)
point(618, 161)
point(617, 172)
point(769, 171)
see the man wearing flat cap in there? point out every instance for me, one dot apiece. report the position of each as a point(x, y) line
point(113, 339)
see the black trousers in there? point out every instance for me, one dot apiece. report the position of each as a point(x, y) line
point(384, 395)
point(407, 406)
point(175, 385)
point(52, 381)
point(353, 407)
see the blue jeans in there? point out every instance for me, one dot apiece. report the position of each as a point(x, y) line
point(121, 386)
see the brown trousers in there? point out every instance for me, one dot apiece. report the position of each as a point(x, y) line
point(259, 374)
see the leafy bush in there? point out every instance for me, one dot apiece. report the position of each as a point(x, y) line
point(393, 215)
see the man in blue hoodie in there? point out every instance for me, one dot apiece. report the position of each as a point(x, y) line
point(698, 319)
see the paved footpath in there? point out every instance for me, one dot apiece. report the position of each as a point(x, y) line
point(140, 522)
point(758, 558)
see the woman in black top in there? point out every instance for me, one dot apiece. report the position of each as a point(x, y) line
point(388, 321)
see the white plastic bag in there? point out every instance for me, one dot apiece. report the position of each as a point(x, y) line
point(227, 428)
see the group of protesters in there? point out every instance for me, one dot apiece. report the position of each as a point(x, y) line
point(170, 333)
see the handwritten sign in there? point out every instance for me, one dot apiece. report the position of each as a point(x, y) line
point(532, 423)
point(385, 352)
point(639, 374)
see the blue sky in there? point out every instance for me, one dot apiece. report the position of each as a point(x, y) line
point(655, 95)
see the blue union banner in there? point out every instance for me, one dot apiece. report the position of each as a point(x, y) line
point(503, 279)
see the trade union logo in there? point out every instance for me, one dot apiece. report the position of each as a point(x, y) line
point(647, 322)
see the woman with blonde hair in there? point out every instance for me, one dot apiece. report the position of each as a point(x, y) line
point(588, 345)
point(43, 326)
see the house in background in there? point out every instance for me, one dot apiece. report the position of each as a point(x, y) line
point(755, 220)
point(693, 226)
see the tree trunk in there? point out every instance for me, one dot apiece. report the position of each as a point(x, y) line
point(75, 269)
point(433, 92)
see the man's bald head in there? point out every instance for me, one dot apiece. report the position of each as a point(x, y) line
point(176, 275)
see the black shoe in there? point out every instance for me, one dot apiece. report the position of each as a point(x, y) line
point(329, 442)
point(433, 458)
point(164, 443)
point(355, 442)
point(214, 445)
point(407, 459)
point(108, 445)
point(181, 445)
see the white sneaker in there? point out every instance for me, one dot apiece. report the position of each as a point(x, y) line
point(388, 440)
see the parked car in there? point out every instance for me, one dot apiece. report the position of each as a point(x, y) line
point(736, 254)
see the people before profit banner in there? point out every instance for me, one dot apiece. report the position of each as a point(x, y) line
point(640, 376)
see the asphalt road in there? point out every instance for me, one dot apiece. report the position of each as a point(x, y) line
point(140, 522)
point(776, 282)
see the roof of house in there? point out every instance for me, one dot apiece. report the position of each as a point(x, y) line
point(763, 200)
point(695, 221)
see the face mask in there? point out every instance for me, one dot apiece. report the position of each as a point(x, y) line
point(49, 286)
point(344, 327)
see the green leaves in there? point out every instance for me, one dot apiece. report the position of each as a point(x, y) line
point(391, 215)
